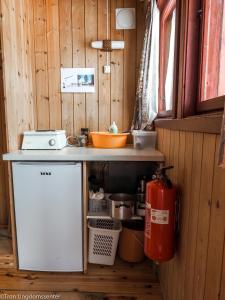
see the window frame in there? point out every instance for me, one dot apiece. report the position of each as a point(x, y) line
point(166, 9)
point(188, 96)
point(212, 103)
point(186, 117)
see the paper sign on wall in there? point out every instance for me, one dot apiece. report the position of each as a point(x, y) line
point(77, 80)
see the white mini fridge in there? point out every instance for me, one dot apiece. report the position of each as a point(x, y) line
point(48, 213)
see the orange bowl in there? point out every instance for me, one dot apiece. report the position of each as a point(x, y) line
point(109, 140)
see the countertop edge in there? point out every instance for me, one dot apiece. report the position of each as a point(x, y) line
point(86, 155)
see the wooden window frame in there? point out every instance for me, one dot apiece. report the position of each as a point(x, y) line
point(215, 32)
point(190, 58)
point(166, 9)
point(203, 117)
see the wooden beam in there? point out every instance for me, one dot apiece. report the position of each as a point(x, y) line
point(208, 123)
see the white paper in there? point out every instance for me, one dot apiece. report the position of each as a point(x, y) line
point(77, 80)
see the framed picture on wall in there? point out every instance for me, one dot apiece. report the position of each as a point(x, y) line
point(77, 80)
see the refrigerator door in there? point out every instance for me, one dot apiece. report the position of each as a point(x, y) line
point(48, 212)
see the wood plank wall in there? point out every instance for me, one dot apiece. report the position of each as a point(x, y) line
point(3, 167)
point(17, 69)
point(198, 270)
point(63, 30)
point(40, 36)
point(16, 96)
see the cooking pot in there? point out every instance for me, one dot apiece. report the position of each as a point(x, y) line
point(122, 206)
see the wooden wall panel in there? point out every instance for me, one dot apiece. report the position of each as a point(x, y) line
point(63, 32)
point(66, 54)
point(204, 215)
point(197, 270)
point(53, 63)
point(78, 40)
point(129, 71)
point(104, 79)
point(117, 57)
point(40, 36)
point(17, 69)
point(216, 233)
point(91, 34)
point(3, 167)
point(17, 91)
point(41, 64)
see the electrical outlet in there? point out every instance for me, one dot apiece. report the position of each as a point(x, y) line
point(106, 69)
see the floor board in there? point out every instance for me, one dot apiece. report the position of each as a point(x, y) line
point(122, 281)
point(6, 252)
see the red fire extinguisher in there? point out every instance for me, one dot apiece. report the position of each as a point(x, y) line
point(159, 243)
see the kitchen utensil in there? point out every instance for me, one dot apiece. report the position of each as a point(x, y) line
point(122, 206)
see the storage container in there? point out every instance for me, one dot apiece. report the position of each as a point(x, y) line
point(132, 235)
point(98, 205)
point(109, 140)
point(144, 139)
point(103, 240)
point(121, 206)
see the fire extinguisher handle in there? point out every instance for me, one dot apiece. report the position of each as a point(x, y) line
point(164, 169)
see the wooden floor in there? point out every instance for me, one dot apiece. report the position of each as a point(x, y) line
point(6, 252)
point(122, 281)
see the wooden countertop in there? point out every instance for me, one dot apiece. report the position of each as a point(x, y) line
point(86, 154)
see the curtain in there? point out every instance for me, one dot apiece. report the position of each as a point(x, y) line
point(146, 106)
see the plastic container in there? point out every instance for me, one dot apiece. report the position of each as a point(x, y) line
point(103, 241)
point(144, 139)
point(109, 140)
point(98, 205)
point(131, 243)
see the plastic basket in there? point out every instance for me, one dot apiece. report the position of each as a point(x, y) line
point(103, 240)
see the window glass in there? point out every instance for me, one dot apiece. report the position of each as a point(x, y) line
point(169, 82)
point(167, 53)
point(154, 65)
point(212, 69)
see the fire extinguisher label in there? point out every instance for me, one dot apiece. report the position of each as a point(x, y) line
point(159, 216)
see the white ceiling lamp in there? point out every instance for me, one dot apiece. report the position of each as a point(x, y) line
point(107, 45)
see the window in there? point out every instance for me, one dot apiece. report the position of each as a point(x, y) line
point(202, 56)
point(212, 75)
point(167, 54)
point(187, 71)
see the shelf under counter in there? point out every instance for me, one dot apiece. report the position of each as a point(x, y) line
point(86, 154)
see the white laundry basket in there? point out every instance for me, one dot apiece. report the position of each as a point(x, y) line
point(103, 240)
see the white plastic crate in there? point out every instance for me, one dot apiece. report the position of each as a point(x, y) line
point(103, 240)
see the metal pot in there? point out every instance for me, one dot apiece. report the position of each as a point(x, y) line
point(122, 206)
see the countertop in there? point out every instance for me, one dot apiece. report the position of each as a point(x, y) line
point(86, 154)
